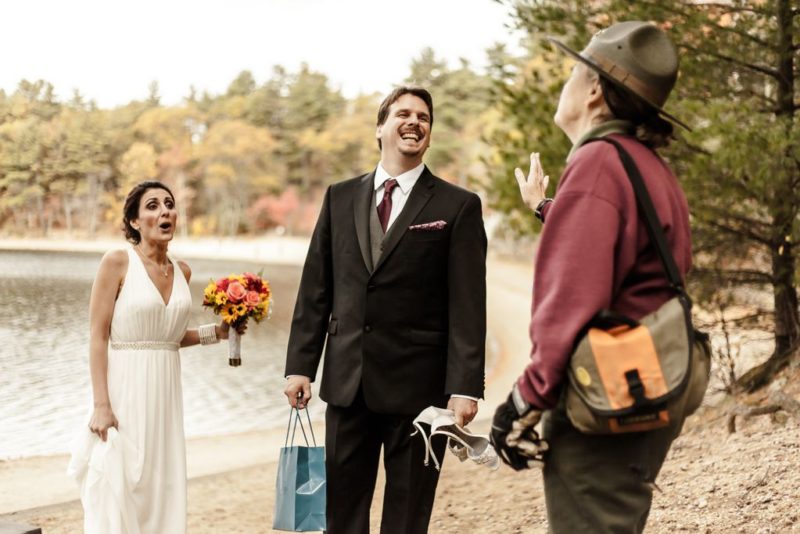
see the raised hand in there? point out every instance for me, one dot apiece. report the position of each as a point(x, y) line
point(534, 187)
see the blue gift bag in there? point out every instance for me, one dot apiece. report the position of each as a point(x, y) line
point(300, 487)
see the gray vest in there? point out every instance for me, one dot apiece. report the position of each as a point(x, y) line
point(376, 235)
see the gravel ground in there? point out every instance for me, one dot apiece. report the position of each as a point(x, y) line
point(712, 481)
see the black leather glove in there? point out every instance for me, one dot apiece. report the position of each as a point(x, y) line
point(513, 435)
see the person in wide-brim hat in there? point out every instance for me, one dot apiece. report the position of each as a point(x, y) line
point(594, 254)
point(635, 56)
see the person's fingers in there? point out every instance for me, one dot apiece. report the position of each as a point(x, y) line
point(306, 392)
point(291, 394)
point(534, 159)
point(103, 434)
point(459, 418)
point(545, 181)
point(470, 414)
point(520, 176)
point(300, 399)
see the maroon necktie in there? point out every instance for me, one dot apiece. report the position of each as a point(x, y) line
point(385, 207)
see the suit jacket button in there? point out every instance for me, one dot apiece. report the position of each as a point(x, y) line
point(371, 287)
point(368, 328)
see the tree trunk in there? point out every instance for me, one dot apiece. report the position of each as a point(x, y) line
point(785, 211)
point(93, 203)
point(183, 203)
point(42, 215)
point(68, 213)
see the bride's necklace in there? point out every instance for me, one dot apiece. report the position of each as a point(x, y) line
point(163, 268)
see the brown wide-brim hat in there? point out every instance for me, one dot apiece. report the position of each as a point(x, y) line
point(637, 56)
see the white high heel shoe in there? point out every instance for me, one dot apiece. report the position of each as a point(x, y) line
point(461, 442)
point(427, 417)
point(464, 444)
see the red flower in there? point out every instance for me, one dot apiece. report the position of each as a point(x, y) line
point(222, 284)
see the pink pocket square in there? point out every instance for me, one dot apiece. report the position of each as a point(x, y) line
point(435, 225)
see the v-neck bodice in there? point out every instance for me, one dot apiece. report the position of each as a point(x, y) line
point(175, 272)
point(140, 313)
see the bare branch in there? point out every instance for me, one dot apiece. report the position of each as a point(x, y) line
point(725, 213)
point(750, 66)
point(740, 232)
point(741, 275)
point(754, 94)
point(727, 8)
point(734, 30)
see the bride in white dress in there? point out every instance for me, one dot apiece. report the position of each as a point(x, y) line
point(130, 463)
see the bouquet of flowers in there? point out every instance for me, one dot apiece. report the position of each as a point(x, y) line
point(237, 298)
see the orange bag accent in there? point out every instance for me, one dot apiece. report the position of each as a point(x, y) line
point(662, 421)
point(625, 351)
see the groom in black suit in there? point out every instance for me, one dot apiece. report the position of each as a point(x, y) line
point(395, 281)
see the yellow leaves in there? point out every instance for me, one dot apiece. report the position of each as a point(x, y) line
point(165, 127)
point(138, 163)
point(220, 173)
point(515, 135)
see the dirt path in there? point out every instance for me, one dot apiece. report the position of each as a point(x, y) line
point(711, 482)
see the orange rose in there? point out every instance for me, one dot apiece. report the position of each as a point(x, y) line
point(252, 299)
point(236, 292)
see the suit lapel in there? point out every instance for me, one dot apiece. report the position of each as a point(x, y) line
point(365, 195)
point(420, 195)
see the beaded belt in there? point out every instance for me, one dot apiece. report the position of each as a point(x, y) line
point(144, 345)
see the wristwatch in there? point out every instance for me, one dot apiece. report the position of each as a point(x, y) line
point(539, 211)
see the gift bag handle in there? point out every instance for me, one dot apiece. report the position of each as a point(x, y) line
point(294, 416)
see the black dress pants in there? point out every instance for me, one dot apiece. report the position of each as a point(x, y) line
point(353, 441)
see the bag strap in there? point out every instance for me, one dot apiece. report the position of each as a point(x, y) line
point(653, 225)
point(294, 416)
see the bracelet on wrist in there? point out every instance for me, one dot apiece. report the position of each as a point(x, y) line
point(539, 210)
point(207, 334)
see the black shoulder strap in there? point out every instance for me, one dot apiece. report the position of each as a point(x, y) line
point(647, 210)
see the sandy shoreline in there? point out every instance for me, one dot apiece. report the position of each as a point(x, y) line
point(37, 486)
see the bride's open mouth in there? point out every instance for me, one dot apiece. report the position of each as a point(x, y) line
point(166, 226)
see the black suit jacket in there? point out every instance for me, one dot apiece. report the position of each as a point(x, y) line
point(411, 331)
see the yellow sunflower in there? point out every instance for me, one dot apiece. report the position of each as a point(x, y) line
point(229, 313)
point(209, 292)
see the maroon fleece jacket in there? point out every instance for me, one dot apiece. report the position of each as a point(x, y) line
point(594, 253)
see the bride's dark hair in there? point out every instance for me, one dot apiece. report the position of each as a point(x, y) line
point(131, 210)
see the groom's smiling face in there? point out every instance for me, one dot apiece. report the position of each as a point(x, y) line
point(407, 128)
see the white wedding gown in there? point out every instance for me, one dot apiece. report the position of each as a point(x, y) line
point(135, 482)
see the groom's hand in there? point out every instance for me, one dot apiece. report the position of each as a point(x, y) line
point(298, 391)
point(465, 410)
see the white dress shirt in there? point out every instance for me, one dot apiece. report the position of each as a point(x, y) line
point(400, 193)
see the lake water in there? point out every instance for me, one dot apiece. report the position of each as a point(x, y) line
point(45, 390)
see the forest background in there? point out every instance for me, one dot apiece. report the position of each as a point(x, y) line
point(257, 157)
